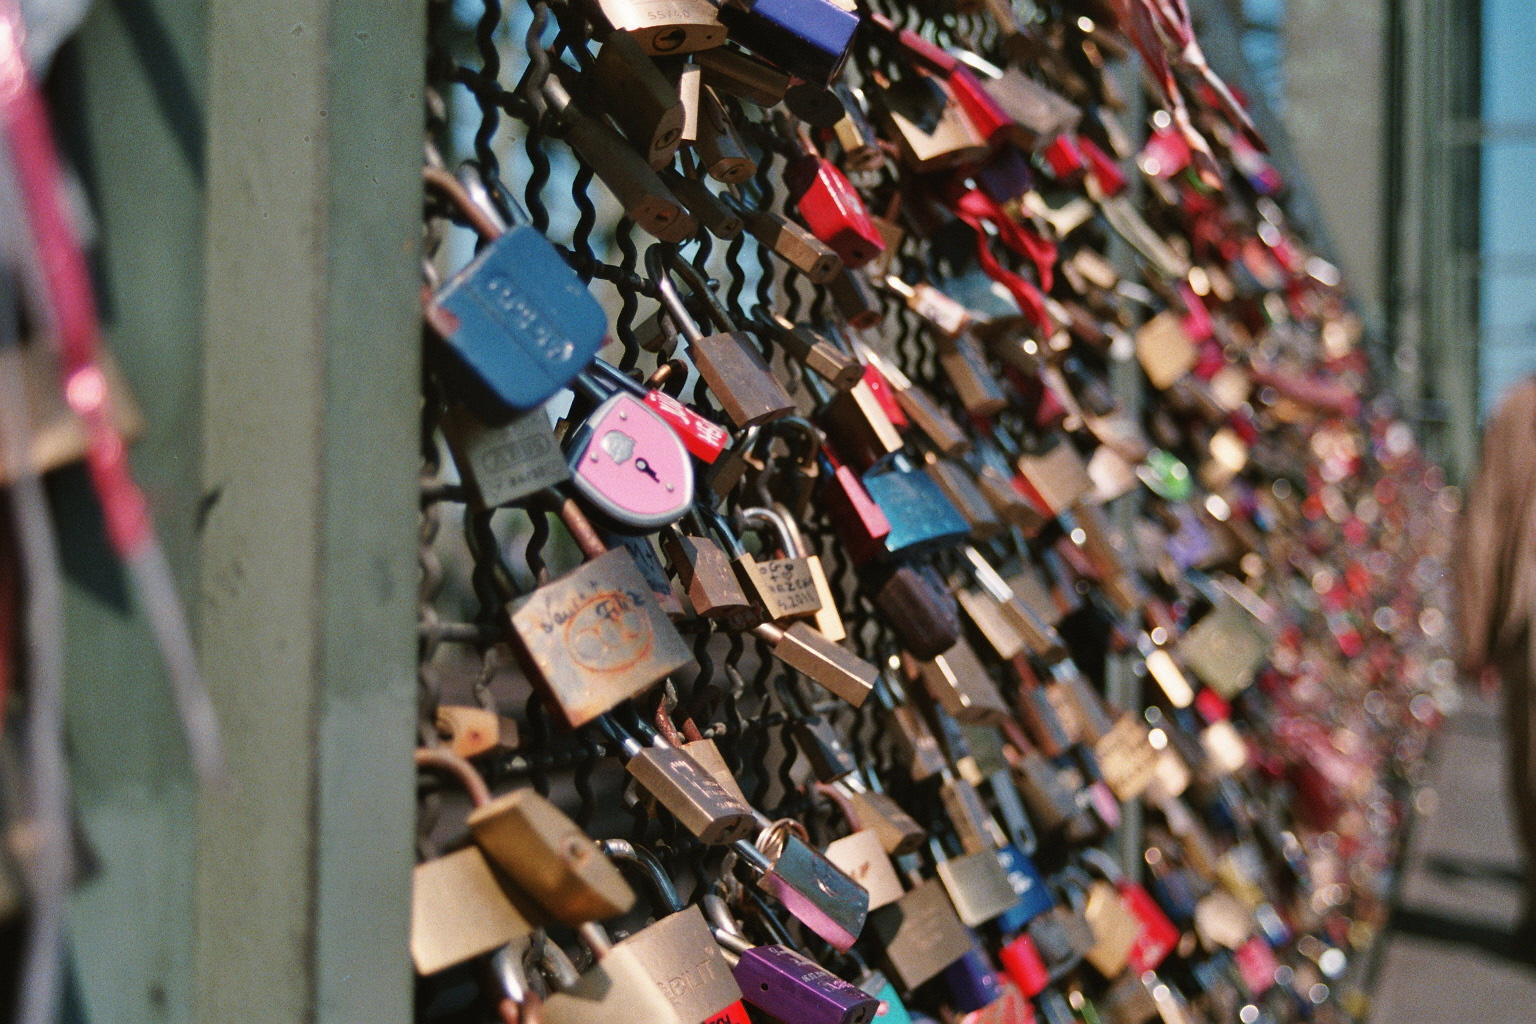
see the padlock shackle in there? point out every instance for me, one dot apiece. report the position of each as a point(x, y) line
point(480, 219)
point(661, 261)
point(443, 760)
point(841, 800)
point(756, 516)
point(1095, 859)
point(644, 863)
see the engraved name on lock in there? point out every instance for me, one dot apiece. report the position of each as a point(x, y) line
point(606, 631)
point(788, 587)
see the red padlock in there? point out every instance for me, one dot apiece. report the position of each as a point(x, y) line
point(830, 205)
point(1024, 966)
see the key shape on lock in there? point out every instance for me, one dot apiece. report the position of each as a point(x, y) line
point(631, 465)
point(517, 318)
point(596, 636)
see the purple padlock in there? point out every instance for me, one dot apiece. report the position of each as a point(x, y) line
point(791, 987)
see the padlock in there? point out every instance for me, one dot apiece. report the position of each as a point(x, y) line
point(720, 150)
point(920, 934)
point(922, 519)
point(930, 129)
point(915, 604)
point(473, 731)
point(663, 27)
point(827, 620)
point(985, 613)
point(1036, 114)
point(783, 587)
point(854, 299)
point(788, 986)
point(1062, 935)
point(805, 650)
point(1128, 1001)
point(861, 150)
point(743, 76)
point(705, 207)
point(619, 984)
point(681, 785)
point(461, 906)
point(809, 886)
point(705, 572)
point(623, 170)
point(948, 440)
point(808, 38)
point(678, 949)
point(519, 322)
point(947, 317)
point(1115, 929)
point(549, 857)
point(728, 361)
point(861, 854)
point(596, 636)
point(859, 428)
point(1156, 935)
point(1033, 897)
point(814, 350)
point(964, 363)
point(1229, 643)
point(919, 748)
point(963, 492)
point(630, 465)
point(506, 462)
point(791, 243)
point(1054, 478)
point(1024, 965)
point(958, 680)
point(976, 882)
point(972, 980)
point(624, 83)
point(899, 832)
point(790, 478)
point(830, 206)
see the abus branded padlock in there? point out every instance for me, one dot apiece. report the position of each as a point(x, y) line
point(618, 986)
point(518, 320)
point(631, 465)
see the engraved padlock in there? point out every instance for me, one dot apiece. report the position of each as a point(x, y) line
point(504, 462)
point(519, 322)
point(663, 27)
point(728, 361)
point(596, 636)
point(785, 587)
point(618, 985)
point(861, 854)
point(678, 949)
point(810, 886)
point(929, 127)
point(681, 785)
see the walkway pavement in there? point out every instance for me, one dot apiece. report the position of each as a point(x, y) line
point(1447, 958)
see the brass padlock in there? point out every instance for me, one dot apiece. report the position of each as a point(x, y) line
point(920, 934)
point(550, 857)
point(720, 150)
point(663, 27)
point(899, 832)
point(1056, 478)
point(827, 620)
point(862, 431)
point(986, 614)
point(792, 243)
point(706, 207)
point(620, 985)
point(958, 680)
point(743, 76)
point(728, 361)
point(785, 587)
point(471, 731)
point(1115, 928)
point(678, 949)
point(624, 83)
point(680, 784)
point(802, 648)
point(813, 350)
point(965, 365)
point(460, 910)
point(707, 577)
point(596, 636)
point(1165, 349)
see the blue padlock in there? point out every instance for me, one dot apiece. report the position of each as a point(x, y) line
point(972, 980)
point(808, 38)
point(922, 519)
point(518, 320)
point(1034, 896)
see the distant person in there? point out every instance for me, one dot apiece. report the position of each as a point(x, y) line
point(1496, 594)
